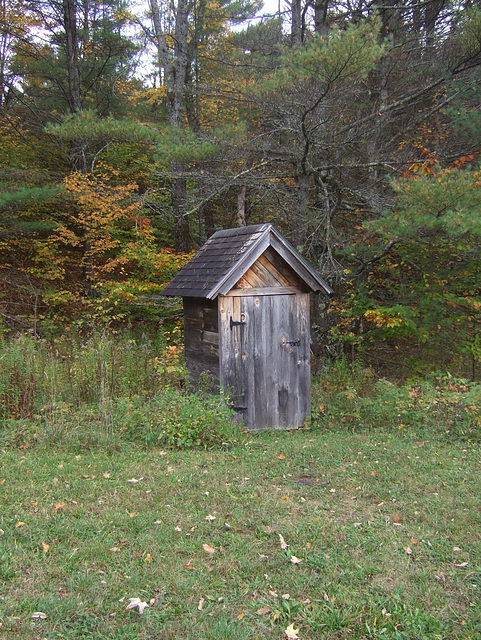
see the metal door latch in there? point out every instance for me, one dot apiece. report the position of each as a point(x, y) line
point(294, 343)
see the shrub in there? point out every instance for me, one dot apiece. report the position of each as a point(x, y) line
point(177, 420)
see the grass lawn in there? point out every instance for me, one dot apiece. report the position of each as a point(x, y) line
point(383, 533)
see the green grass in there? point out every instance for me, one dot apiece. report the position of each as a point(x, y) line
point(387, 525)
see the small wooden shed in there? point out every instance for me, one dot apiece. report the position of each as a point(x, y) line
point(247, 323)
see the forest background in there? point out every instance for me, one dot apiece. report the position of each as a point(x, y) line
point(130, 133)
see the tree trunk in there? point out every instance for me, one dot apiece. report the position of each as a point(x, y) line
point(299, 222)
point(296, 23)
point(175, 76)
point(71, 50)
point(179, 207)
point(320, 17)
point(241, 206)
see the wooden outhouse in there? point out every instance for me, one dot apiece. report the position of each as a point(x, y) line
point(247, 323)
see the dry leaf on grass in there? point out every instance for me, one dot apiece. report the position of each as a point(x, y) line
point(134, 480)
point(136, 602)
point(291, 633)
point(284, 544)
point(39, 615)
point(263, 611)
point(208, 548)
point(295, 560)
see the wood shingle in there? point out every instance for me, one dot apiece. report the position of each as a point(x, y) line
point(228, 254)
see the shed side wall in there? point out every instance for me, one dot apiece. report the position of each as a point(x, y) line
point(201, 340)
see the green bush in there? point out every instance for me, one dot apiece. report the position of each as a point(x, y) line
point(176, 420)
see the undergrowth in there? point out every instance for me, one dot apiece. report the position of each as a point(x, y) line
point(350, 396)
point(112, 391)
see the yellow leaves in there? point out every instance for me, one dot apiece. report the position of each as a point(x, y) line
point(45, 547)
point(382, 318)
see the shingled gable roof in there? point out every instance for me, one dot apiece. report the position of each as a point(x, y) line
point(228, 254)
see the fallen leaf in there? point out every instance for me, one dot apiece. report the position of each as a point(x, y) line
point(286, 596)
point(408, 550)
point(281, 456)
point(3, 480)
point(133, 514)
point(241, 615)
point(38, 615)
point(456, 549)
point(188, 566)
point(136, 602)
point(19, 524)
point(158, 522)
point(45, 547)
point(273, 594)
point(178, 529)
point(208, 548)
point(114, 549)
point(148, 558)
point(295, 560)
point(326, 597)
point(397, 518)
point(106, 474)
point(134, 480)
point(263, 611)
point(291, 633)
point(462, 564)
point(308, 545)
point(59, 506)
point(284, 544)
point(34, 503)
point(200, 606)
point(285, 497)
point(210, 518)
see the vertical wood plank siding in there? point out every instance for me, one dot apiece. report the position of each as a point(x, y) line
point(267, 378)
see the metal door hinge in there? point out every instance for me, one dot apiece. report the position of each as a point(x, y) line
point(237, 323)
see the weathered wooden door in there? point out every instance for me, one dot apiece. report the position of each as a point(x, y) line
point(265, 358)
